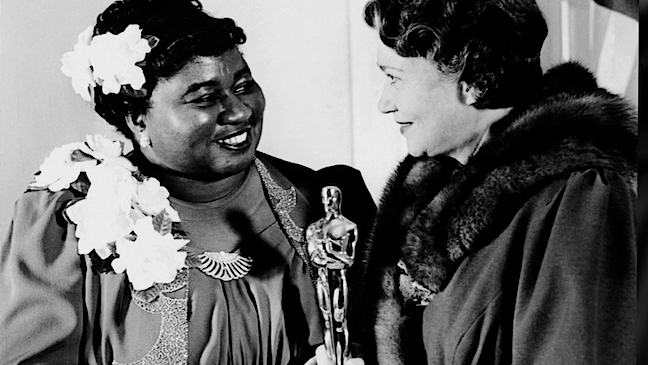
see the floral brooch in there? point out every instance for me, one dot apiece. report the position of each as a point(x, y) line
point(122, 216)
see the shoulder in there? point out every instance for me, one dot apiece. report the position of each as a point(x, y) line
point(587, 188)
point(578, 225)
point(39, 222)
point(283, 165)
point(39, 203)
point(310, 181)
point(291, 169)
point(590, 204)
point(41, 240)
point(582, 218)
point(573, 208)
point(600, 184)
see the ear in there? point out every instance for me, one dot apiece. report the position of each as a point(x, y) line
point(469, 94)
point(136, 124)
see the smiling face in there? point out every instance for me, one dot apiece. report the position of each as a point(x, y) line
point(205, 122)
point(432, 109)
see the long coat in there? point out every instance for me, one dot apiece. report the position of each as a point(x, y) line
point(526, 254)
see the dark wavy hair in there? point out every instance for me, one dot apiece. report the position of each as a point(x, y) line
point(182, 31)
point(493, 45)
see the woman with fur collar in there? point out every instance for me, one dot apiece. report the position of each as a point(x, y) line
point(507, 235)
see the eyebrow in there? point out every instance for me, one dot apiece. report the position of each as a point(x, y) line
point(385, 67)
point(198, 85)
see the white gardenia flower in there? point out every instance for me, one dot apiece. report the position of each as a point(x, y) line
point(112, 181)
point(107, 150)
point(151, 258)
point(113, 58)
point(59, 170)
point(99, 221)
point(76, 64)
point(152, 198)
point(102, 147)
point(104, 216)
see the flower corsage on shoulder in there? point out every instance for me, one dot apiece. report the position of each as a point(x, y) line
point(123, 219)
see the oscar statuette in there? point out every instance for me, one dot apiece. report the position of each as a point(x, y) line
point(331, 246)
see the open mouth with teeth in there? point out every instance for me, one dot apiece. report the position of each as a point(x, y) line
point(237, 141)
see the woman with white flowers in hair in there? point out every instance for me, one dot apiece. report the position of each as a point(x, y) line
point(188, 249)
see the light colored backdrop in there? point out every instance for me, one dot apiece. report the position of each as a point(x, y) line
point(314, 60)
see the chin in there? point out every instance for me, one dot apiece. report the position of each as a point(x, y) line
point(237, 164)
point(415, 152)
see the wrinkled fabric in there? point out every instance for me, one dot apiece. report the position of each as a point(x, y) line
point(549, 289)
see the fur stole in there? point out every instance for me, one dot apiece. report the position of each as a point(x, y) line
point(435, 212)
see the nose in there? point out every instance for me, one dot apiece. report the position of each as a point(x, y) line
point(386, 102)
point(236, 111)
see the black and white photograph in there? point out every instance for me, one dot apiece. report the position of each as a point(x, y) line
point(345, 182)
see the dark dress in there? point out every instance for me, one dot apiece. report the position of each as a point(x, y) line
point(58, 310)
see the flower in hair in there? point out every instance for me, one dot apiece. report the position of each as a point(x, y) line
point(76, 64)
point(109, 60)
point(114, 57)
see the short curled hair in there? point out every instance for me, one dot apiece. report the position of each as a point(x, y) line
point(492, 45)
point(182, 31)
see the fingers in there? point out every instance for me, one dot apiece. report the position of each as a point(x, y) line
point(321, 358)
point(320, 355)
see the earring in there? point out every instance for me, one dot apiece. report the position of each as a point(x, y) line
point(144, 140)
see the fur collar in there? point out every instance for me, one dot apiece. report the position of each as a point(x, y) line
point(435, 212)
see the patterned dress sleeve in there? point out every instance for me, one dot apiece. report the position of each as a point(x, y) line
point(41, 281)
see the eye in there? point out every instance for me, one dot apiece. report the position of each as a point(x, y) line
point(243, 87)
point(392, 79)
point(205, 99)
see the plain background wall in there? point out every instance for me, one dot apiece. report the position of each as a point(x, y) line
point(315, 61)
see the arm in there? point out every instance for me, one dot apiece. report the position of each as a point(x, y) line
point(576, 300)
point(41, 310)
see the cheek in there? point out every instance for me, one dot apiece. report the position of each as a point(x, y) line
point(415, 104)
point(256, 102)
point(204, 120)
point(175, 132)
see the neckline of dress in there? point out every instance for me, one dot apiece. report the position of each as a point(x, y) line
point(220, 201)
